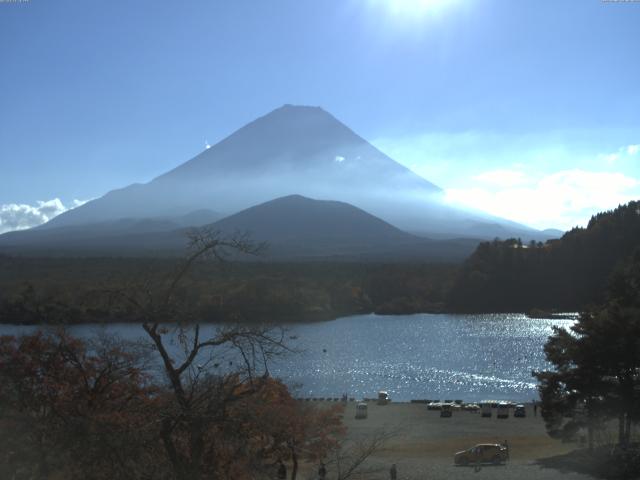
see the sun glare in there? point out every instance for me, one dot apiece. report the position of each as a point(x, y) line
point(415, 7)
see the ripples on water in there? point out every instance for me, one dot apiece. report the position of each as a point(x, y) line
point(469, 357)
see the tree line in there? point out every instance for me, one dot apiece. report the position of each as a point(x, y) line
point(566, 274)
point(69, 291)
point(103, 409)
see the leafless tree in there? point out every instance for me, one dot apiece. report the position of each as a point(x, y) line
point(352, 459)
point(193, 423)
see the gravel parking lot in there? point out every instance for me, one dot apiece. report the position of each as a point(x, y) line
point(424, 443)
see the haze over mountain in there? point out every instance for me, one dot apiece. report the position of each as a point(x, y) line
point(111, 237)
point(295, 150)
point(294, 227)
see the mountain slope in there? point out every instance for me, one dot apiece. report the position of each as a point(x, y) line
point(294, 227)
point(298, 218)
point(293, 150)
point(101, 233)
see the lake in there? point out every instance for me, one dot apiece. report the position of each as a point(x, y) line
point(422, 356)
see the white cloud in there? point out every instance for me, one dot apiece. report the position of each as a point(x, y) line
point(548, 179)
point(442, 157)
point(339, 158)
point(14, 216)
point(562, 199)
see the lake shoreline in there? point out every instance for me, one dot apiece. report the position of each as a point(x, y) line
point(418, 356)
point(309, 318)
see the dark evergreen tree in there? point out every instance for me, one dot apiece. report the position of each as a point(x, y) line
point(597, 363)
point(567, 274)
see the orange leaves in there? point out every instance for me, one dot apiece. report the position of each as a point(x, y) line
point(72, 400)
point(89, 407)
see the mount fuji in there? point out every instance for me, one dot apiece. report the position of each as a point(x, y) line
point(294, 150)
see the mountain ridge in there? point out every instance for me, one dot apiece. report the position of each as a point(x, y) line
point(294, 149)
point(294, 226)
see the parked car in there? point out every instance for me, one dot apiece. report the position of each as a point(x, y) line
point(520, 411)
point(482, 453)
point(472, 407)
point(485, 409)
point(503, 410)
point(361, 410)
point(435, 405)
point(383, 397)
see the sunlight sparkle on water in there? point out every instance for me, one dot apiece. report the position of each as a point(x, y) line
point(468, 357)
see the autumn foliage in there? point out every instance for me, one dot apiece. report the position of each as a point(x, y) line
point(90, 410)
point(74, 410)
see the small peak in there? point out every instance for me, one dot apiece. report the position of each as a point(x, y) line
point(297, 115)
point(295, 197)
point(298, 110)
point(290, 106)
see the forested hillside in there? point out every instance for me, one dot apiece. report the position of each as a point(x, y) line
point(564, 274)
point(500, 276)
point(63, 290)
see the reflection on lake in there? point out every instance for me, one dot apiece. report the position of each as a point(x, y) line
point(435, 356)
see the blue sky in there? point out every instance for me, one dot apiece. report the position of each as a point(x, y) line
point(527, 109)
